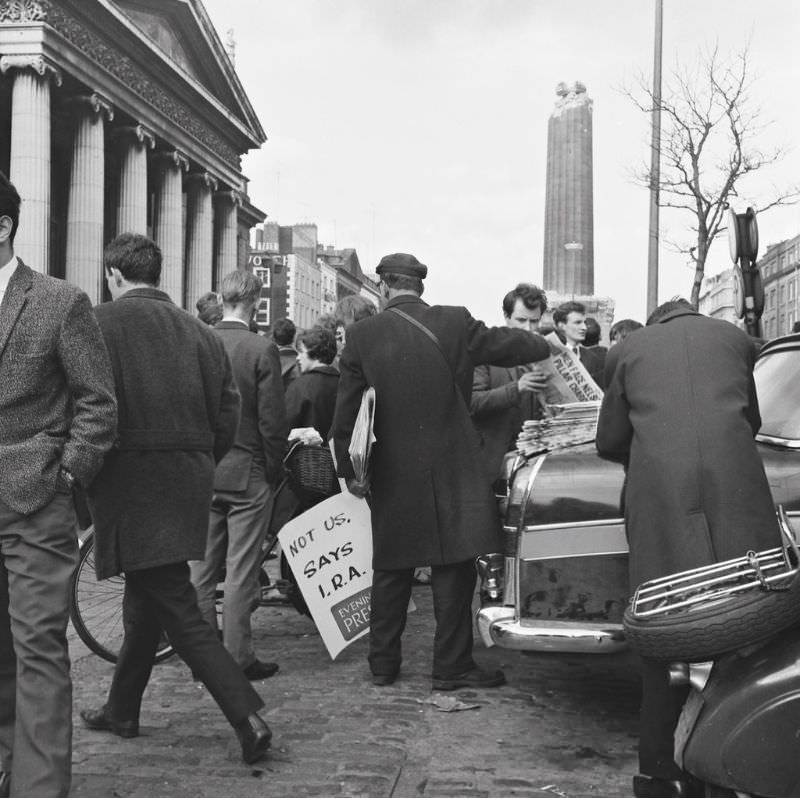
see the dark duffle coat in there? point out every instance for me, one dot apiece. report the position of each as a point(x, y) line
point(431, 502)
point(680, 406)
point(178, 415)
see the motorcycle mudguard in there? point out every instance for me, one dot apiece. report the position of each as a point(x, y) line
point(747, 736)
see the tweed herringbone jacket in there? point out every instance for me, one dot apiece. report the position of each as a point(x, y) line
point(57, 404)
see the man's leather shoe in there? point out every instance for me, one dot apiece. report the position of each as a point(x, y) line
point(260, 670)
point(5, 783)
point(255, 738)
point(384, 679)
point(477, 677)
point(100, 720)
point(652, 787)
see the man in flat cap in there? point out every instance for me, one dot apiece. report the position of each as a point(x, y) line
point(431, 503)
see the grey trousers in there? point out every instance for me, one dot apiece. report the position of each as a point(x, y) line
point(236, 531)
point(38, 556)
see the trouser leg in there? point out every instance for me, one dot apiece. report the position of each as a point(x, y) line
point(39, 555)
point(391, 591)
point(8, 674)
point(453, 587)
point(174, 601)
point(205, 573)
point(661, 708)
point(247, 526)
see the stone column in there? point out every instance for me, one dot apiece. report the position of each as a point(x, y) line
point(168, 231)
point(29, 168)
point(132, 204)
point(199, 237)
point(227, 228)
point(85, 218)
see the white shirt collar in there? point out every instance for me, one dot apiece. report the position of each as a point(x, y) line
point(6, 272)
point(234, 318)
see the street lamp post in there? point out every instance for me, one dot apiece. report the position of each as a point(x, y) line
point(655, 167)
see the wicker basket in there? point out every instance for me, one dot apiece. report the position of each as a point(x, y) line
point(312, 475)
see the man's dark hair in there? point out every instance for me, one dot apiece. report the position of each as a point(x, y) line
point(562, 311)
point(593, 332)
point(320, 344)
point(137, 257)
point(240, 287)
point(353, 308)
point(283, 332)
point(328, 321)
point(531, 295)
point(621, 329)
point(676, 303)
point(796, 327)
point(209, 308)
point(9, 204)
point(403, 282)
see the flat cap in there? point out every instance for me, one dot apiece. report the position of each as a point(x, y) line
point(402, 263)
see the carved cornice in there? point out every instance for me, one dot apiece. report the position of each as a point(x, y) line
point(206, 179)
point(173, 158)
point(23, 11)
point(232, 196)
point(35, 61)
point(140, 133)
point(95, 102)
point(109, 57)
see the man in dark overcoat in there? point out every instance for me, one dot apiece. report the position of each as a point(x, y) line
point(178, 414)
point(57, 418)
point(245, 479)
point(430, 500)
point(680, 409)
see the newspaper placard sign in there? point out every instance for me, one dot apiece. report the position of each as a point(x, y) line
point(568, 380)
point(329, 549)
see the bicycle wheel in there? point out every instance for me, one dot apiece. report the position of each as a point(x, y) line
point(96, 608)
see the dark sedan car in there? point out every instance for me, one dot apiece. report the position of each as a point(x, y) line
point(561, 582)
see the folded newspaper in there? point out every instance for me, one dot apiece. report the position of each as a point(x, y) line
point(363, 436)
point(566, 425)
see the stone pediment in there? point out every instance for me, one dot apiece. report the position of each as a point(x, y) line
point(182, 30)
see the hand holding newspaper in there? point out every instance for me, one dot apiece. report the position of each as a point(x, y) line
point(363, 436)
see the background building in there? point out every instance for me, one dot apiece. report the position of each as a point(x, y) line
point(779, 267)
point(717, 297)
point(119, 117)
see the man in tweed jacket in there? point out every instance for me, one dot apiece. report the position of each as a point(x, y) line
point(57, 417)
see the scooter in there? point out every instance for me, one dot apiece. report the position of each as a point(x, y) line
point(739, 732)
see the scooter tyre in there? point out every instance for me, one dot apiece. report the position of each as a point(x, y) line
point(699, 635)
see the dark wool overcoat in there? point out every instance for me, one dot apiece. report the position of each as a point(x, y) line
point(311, 399)
point(178, 415)
point(680, 406)
point(57, 403)
point(431, 502)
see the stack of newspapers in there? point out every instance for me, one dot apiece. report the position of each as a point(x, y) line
point(565, 425)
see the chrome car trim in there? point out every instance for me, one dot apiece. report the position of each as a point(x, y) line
point(498, 626)
point(523, 506)
point(561, 541)
point(786, 443)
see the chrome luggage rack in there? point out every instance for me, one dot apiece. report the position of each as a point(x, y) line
point(771, 570)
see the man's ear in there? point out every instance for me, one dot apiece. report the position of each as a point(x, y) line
point(5, 229)
point(117, 275)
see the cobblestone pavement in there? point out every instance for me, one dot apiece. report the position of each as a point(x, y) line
point(562, 726)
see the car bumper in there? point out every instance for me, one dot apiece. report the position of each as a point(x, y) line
point(498, 625)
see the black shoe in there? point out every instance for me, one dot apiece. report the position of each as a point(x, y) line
point(99, 720)
point(652, 787)
point(384, 679)
point(260, 670)
point(477, 677)
point(255, 738)
point(5, 783)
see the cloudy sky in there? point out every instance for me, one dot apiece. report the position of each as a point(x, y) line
point(421, 126)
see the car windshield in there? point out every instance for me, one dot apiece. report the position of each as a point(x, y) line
point(777, 379)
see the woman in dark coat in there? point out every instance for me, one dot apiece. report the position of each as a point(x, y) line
point(311, 398)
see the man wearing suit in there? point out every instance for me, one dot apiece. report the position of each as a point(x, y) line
point(245, 478)
point(57, 418)
point(503, 398)
point(283, 334)
point(178, 413)
point(680, 411)
point(569, 320)
point(430, 501)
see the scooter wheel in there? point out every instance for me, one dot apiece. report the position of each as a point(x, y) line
point(705, 633)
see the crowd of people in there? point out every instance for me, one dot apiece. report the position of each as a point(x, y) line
point(175, 428)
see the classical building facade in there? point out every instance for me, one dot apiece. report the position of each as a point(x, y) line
point(569, 209)
point(780, 273)
point(125, 116)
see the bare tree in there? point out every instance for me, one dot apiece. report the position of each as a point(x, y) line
point(711, 127)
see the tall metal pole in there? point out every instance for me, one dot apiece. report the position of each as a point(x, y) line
point(655, 168)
